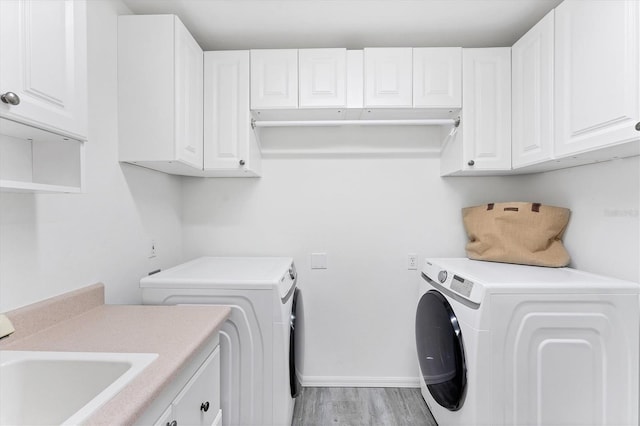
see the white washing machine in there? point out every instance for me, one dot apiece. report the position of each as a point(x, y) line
point(501, 344)
point(258, 361)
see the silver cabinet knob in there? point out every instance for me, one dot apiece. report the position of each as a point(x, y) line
point(242, 163)
point(10, 98)
point(471, 162)
point(638, 126)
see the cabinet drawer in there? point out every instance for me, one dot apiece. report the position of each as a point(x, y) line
point(199, 401)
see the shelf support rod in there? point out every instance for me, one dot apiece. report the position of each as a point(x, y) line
point(337, 123)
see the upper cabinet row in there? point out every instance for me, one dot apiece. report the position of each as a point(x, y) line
point(575, 95)
point(373, 78)
point(188, 112)
point(567, 93)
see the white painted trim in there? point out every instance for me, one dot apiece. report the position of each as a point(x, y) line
point(360, 382)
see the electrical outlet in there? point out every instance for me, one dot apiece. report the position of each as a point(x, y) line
point(412, 261)
point(152, 249)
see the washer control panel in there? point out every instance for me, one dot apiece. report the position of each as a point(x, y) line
point(462, 286)
point(440, 274)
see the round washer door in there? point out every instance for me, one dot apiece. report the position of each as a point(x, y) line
point(440, 350)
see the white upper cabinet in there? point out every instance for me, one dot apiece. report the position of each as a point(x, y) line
point(388, 77)
point(532, 95)
point(160, 94)
point(323, 78)
point(43, 65)
point(230, 147)
point(486, 121)
point(188, 96)
point(483, 143)
point(597, 74)
point(274, 79)
point(437, 77)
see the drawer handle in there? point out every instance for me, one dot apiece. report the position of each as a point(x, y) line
point(204, 407)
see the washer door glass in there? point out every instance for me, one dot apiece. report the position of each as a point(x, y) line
point(440, 350)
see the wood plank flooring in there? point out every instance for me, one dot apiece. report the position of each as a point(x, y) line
point(361, 406)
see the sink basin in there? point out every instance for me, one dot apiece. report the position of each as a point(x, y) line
point(47, 388)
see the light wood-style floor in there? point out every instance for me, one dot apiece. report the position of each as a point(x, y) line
point(361, 406)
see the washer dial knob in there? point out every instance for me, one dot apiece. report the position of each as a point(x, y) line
point(442, 276)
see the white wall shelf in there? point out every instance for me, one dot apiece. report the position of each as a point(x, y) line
point(34, 160)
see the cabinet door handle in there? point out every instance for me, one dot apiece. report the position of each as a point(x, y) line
point(173, 423)
point(471, 162)
point(242, 163)
point(638, 126)
point(10, 98)
point(205, 406)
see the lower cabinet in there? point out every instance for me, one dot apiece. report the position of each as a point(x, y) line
point(198, 403)
point(193, 397)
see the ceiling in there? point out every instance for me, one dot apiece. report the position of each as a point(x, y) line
point(354, 24)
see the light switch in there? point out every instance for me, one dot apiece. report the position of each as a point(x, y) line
point(318, 260)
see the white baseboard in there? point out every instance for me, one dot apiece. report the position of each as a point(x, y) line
point(360, 382)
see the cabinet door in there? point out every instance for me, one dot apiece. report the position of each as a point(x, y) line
point(597, 74)
point(388, 77)
point(199, 401)
point(43, 61)
point(274, 78)
point(437, 77)
point(323, 78)
point(188, 97)
point(486, 100)
point(532, 97)
point(226, 110)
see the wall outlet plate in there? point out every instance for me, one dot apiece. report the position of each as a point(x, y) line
point(318, 260)
point(152, 249)
point(412, 261)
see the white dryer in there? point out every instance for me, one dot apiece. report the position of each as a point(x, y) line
point(259, 376)
point(501, 344)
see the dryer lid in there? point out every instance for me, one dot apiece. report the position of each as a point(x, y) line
point(226, 273)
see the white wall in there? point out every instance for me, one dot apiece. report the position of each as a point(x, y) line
point(367, 214)
point(53, 243)
point(603, 235)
